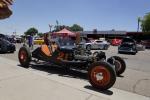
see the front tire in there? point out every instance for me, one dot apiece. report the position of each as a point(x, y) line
point(120, 65)
point(24, 57)
point(101, 75)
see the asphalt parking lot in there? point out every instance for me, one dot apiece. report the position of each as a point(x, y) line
point(136, 78)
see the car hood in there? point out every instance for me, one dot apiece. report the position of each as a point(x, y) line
point(6, 42)
point(68, 47)
point(128, 43)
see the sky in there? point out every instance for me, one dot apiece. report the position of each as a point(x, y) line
point(90, 14)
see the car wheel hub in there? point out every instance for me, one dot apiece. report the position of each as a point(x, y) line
point(23, 55)
point(100, 76)
point(117, 65)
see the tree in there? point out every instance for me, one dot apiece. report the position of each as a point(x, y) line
point(31, 31)
point(76, 28)
point(40, 34)
point(145, 23)
point(60, 27)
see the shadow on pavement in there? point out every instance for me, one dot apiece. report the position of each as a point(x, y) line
point(6, 52)
point(121, 76)
point(71, 73)
point(107, 92)
point(64, 72)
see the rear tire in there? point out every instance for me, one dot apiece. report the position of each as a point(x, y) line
point(101, 75)
point(88, 47)
point(120, 65)
point(105, 47)
point(119, 52)
point(24, 57)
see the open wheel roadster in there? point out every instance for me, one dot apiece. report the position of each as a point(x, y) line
point(101, 72)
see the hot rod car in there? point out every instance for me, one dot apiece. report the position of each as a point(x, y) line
point(101, 72)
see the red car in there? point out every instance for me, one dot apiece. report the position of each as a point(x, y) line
point(116, 42)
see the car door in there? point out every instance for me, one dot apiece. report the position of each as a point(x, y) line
point(94, 45)
point(100, 44)
point(0, 44)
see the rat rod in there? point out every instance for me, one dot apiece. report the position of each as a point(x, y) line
point(101, 72)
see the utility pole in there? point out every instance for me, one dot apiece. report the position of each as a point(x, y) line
point(57, 24)
point(139, 19)
point(50, 27)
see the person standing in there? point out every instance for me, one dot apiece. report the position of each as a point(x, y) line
point(30, 41)
point(46, 39)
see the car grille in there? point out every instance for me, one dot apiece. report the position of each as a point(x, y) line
point(125, 48)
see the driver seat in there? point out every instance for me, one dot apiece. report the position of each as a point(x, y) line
point(45, 49)
point(49, 51)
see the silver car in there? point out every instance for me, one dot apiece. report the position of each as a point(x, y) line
point(97, 44)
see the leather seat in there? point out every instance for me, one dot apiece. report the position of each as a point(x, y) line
point(45, 49)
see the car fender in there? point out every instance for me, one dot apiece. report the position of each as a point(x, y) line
point(88, 44)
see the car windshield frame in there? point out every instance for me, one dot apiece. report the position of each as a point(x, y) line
point(64, 42)
point(99, 41)
point(128, 40)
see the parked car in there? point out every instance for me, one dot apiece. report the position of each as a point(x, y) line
point(2, 36)
point(146, 43)
point(38, 41)
point(18, 39)
point(6, 46)
point(116, 42)
point(140, 47)
point(128, 45)
point(97, 44)
point(7, 37)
